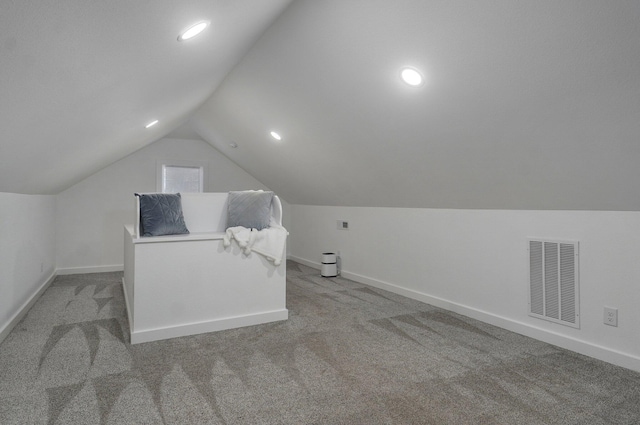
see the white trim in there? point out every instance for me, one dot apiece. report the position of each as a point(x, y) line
point(24, 309)
point(199, 236)
point(579, 346)
point(90, 269)
point(209, 326)
point(308, 263)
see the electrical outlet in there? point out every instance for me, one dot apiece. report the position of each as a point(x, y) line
point(611, 316)
point(343, 225)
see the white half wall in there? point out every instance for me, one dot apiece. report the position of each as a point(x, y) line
point(475, 262)
point(27, 253)
point(91, 214)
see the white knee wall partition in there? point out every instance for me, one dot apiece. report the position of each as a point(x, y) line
point(180, 285)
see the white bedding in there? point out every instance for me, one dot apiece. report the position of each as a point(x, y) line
point(269, 242)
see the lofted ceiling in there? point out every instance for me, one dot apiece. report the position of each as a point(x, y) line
point(527, 105)
point(80, 79)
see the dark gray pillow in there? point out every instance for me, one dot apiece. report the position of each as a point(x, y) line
point(161, 214)
point(250, 209)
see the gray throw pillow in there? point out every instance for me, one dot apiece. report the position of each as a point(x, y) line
point(250, 209)
point(161, 214)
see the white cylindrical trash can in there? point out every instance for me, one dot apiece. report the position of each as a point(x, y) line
point(329, 267)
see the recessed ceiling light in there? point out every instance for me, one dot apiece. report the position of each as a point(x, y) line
point(412, 77)
point(276, 135)
point(151, 124)
point(193, 30)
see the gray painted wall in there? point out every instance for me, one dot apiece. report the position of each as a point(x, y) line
point(91, 214)
point(475, 262)
point(27, 251)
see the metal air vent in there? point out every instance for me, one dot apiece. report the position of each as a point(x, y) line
point(553, 281)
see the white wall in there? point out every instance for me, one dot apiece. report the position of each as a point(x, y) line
point(475, 262)
point(91, 214)
point(27, 251)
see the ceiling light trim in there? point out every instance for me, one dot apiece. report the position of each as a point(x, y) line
point(193, 30)
point(276, 135)
point(412, 76)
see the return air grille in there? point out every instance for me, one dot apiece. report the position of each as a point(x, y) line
point(553, 281)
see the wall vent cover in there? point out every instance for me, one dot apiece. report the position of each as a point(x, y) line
point(553, 281)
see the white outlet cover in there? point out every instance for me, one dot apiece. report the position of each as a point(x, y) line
point(611, 316)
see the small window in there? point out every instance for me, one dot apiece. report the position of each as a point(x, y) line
point(180, 177)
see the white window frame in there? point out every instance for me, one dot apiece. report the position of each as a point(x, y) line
point(160, 166)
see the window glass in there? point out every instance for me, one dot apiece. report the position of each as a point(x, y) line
point(181, 178)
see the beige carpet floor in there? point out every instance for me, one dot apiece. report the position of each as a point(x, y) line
point(349, 354)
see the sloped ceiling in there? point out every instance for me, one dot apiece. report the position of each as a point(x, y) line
point(528, 104)
point(79, 79)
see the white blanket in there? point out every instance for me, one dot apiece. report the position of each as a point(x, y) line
point(269, 242)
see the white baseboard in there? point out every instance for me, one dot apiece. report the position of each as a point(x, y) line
point(209, 326)
point(308, 263)
point(6, 330)
point(90, 269)
point(590, 349)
